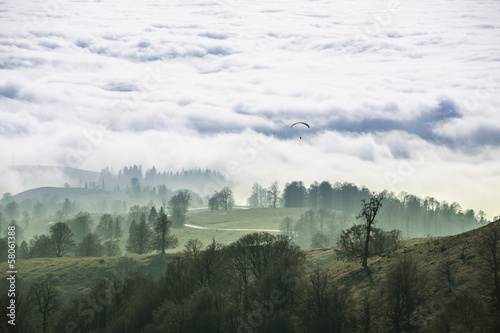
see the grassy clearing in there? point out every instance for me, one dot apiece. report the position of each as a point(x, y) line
point(238, 218)
point(253, 218)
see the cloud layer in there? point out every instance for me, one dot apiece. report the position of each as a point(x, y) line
point(217, 84)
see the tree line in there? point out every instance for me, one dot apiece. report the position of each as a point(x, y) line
point(149, 180)
point(148, 230)
point(414, 216)
point(78, 238)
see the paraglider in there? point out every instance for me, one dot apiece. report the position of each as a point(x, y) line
point(302, 123)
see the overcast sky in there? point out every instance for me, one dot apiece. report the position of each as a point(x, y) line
point(400, 95)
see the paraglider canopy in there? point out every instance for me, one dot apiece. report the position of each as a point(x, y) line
point(302, 123)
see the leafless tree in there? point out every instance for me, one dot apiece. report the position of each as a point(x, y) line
point(45, 299)
point(193, 247)
point(404, 286)
point(273, 195)
point(326, 305)
point(368, 214)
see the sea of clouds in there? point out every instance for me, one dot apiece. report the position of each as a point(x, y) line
point(400, 95)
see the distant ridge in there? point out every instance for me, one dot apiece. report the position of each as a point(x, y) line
point(74, 177)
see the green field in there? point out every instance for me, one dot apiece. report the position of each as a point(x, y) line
point(243, 217)
point(239, 218)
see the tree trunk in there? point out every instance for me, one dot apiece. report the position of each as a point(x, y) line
point(367, 243)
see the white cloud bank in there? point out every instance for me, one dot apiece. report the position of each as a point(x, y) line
point(400, 95)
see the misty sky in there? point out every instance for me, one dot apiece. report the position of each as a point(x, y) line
point(400, 95)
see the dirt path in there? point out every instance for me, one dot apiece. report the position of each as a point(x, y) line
point(230, 229)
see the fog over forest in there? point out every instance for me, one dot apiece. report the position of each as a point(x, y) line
point(239, 166)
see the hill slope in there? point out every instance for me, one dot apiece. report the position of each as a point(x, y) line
point(459, 255)
point(75, 275)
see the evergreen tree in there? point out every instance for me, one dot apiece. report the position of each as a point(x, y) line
point(117, 230)
point(163, 239)
point(24, 252)
point(152, 215)
point(90, 246)
point(132, 227)
point(140, 239)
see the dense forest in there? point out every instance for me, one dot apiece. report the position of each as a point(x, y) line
point(151, 182)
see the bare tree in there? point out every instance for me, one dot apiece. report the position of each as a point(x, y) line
point(404, 285)
point(210, 264)
point(326, 304)
point(259, 196)
point(193, 247)
point(368, 213)
point(273, 195)
point(46, 299)
point(61, 237)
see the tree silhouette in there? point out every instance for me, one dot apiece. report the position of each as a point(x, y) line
point(106, 227)
point(140, 238)
point(404, 284)
point(46, 299)
point(273, 195)
point(81, 225)
point(61, 238)
point(163, 239)
point(368, 213)
point(90, 246)
point(178, 206)
point(294, 194)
